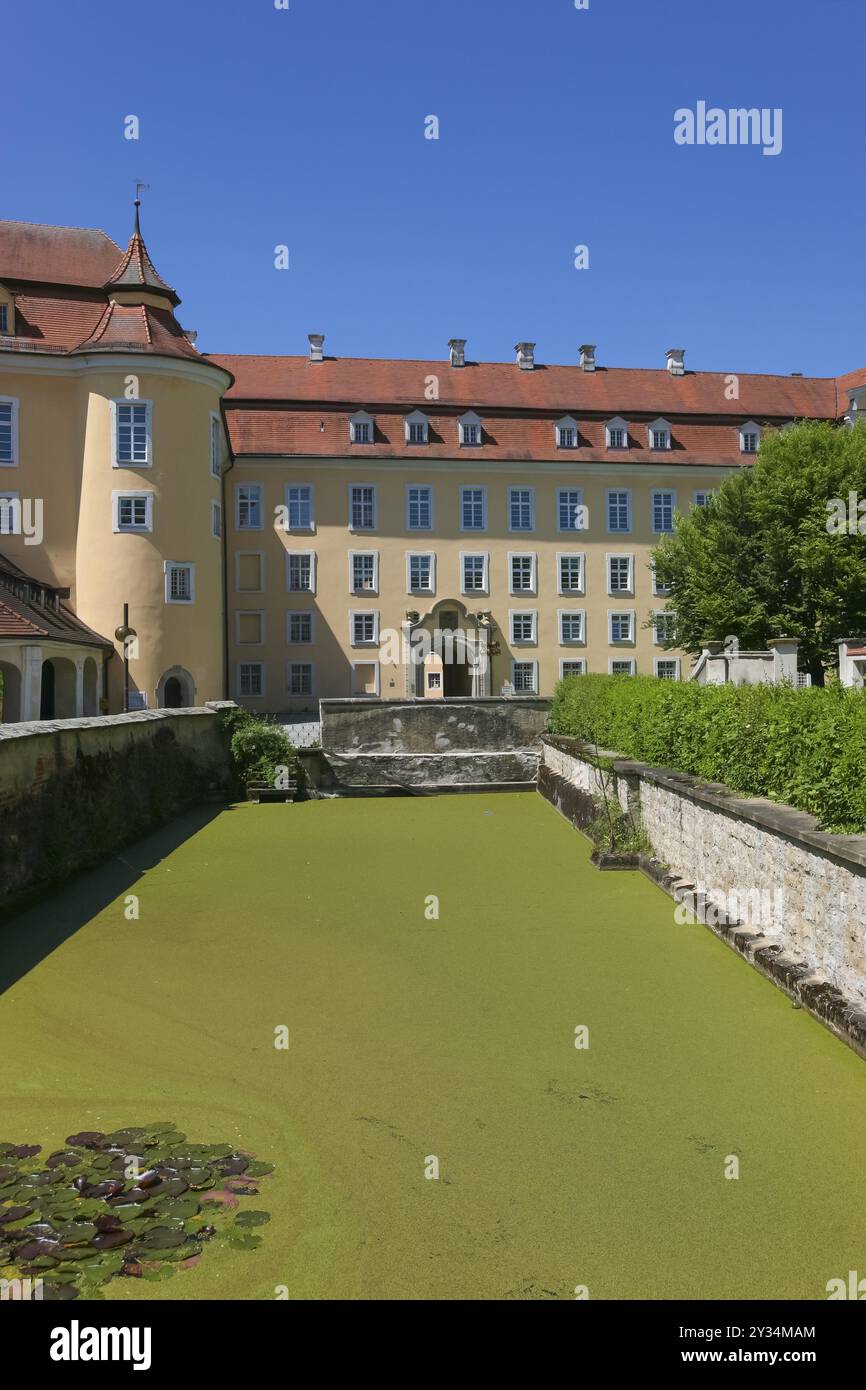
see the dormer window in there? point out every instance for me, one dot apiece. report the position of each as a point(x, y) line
point(417, 428)
point(566, 433)
point(361, 428)
point(469, 429)
point(750, 438)
point(4, 318)
point(616, 434)
point(659, 435)
point(7, 313)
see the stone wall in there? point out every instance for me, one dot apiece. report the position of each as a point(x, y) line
point(806, 888)
point(72, 790)
point(433, 726)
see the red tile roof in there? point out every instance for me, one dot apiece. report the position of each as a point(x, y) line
point(30, 609)
point(138, 328)
point(137, 271)
point(56, 255)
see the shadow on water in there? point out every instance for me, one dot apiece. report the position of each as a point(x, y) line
point(27, 937)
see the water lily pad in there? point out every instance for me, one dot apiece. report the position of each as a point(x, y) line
point(160, 1238)
point(87, 1139)
point(252, 1218)
point(109, 1240)
point(259, 1170)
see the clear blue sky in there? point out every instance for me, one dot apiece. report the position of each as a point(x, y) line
point(306, 126)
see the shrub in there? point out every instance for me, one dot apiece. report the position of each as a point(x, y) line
point(258, 747)
point(804, 748)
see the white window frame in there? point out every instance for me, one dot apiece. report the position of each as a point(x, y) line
point(250, 613)
point(620, 613)
point(215, 444)
point(168, 566)
point(532, 556)
point(532, 640)
point(618, 492)
point(289, 555)
point(470, 418)
point(148, 427)
point(361, 417)
point(567, 530)
point(378, 667)
point(14, 402)
point(417, 487)
point(475, 555)
point(520, 661)
point(660, 613)
point(572, 661)
point(658, 591)
point(521, 530)
point(668, 661)
point(300, 613)
point(417, 417)
point(261, 521)
point(750, 427)
point(662, 492)
point(242, 554)
point(300, 695)
point(359, 555)
point(619, 555)
point(474, 487)
point(617, 423)
point(579, 555)
point(419, 554)
point(363, 530)
point(241, 695)
point(628, 661)
point(116, 497)
point(216, 519)
point(367, 643)
point(309, 529)
point(564, 641)
point(662, 427)
point(567, 422)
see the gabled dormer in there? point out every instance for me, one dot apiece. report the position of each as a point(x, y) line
point(7, 313)
point(360, 428)
point(469, 430)
point(616, 433)
point(417, 428)
point(659, 435)
point(566, 433)
point(750, 437)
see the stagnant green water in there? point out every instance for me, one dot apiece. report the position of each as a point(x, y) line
point(412, 1037)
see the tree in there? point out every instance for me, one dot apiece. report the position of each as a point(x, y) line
point(780, 551)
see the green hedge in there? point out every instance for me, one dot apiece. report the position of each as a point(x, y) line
point(805, 748)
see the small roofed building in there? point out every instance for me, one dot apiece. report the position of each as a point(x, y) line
point(52, 666)
point(852, 662)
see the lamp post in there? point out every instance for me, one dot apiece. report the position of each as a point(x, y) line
point(125, 634)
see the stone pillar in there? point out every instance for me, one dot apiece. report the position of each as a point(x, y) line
point(79, 687)
point(717, 663)
point(784, 651)
point(31, 682)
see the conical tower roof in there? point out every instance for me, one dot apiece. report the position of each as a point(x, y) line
point(136, 270)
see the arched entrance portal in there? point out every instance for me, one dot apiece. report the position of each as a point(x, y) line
point(450, 652)
point(176, 689)
point(90, 688)
point(57, 696)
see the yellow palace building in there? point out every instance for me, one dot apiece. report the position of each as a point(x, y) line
point(177, 527)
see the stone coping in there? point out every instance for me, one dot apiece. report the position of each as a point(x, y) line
point(799, 826)
point(35, 727)
point(419, 702)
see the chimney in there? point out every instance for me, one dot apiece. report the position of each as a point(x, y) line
point(676, 358)
point(587, 357)
point(457, 348)
point(317, 344)
point(191, 335)
point(525, 356)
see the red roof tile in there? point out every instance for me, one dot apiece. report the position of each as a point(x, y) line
point(137, 271)
point(139, 328)
point(847, 383)
point(61, 319)
point(56, 255)
point(30, 609)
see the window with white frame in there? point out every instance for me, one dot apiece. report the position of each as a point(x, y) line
point(8, 432)
point(132, 434)
point(248, 506)
point(522, 573)
point(10, 513)
point(251, 678)
point(569, 509)
point(420, 572)
point(620, 574)
point(133, 511)
point(664, 503)
point(469, 430)
point(622, 667)
point(664, 627)
point(363, 628)
point(362, 507)
point(524, 677)
point(616, 434)
point(572, 668)
point(361, 428)
point(703, 499)
point(659, 435)
point(667, 669)
point(215, 444)
point(618, 509)
point(572, 626)
point(570, 573)
point(659, 590)
point(523, 626)
point(474, 573)
point(750, 437)
point(216, 520)
point(364, 571)
point(417, 428)
point(301, 571)
point(299, 507)
point(473, 508)
point(566, 433)
point(179, 581)
point(621, 626)
point(300, 678)
point(299, 628)
point(521, 509)
point(419, 507)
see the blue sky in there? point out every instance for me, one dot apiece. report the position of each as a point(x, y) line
point(305, 127)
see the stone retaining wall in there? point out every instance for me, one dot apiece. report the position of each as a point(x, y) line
point(433, 726)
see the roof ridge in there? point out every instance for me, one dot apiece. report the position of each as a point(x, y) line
point(57, 227)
